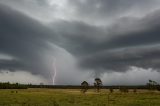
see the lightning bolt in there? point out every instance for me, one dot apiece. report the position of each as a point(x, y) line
point(54, 71)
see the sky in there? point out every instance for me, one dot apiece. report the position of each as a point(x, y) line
point(64, 42)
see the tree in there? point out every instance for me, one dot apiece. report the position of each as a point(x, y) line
point(123, 89)
point(111, 90)
point(134, 90)
point(97, 84)
point(84, 86)
point(152, 85)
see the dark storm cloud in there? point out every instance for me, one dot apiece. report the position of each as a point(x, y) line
point(121, 60)
point(24, 39)
point(110, 9)
point(39, 9)
point(78, 37)
point(137, 35)
point(129, 40)
point(89, 39)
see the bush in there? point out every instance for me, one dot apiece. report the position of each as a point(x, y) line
point(135, 90)
point(124, 90)
point(111, 90)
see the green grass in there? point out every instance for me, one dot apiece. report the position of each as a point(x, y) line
point(70, 97)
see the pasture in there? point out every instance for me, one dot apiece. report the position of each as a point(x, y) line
point(73, 97)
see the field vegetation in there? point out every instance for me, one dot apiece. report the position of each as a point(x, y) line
point(74, 97)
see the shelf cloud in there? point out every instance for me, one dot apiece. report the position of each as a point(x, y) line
point(88, 38)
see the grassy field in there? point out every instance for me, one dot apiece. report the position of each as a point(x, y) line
point(73, 97)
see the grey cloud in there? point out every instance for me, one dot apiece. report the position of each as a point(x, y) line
point(31, 47)
point(38, 9)
point(79, 38)
point(127, 41)
point(25, 39)
point(95, 55)
point(133, 76)
point(22, 77)
point(83, 39)
point(120, 60)
point(98, 10)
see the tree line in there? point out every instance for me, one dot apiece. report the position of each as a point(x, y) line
point(7, 85)
point(150, 85)
point(84, 86)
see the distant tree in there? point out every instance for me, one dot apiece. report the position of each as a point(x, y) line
point(97, 84)
point(123, 89)
point(41, 84)
point(84, 86)
point(111, 90)
point(152, 85)
point(158, 88)
point(134, 90)
point(7, 85)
